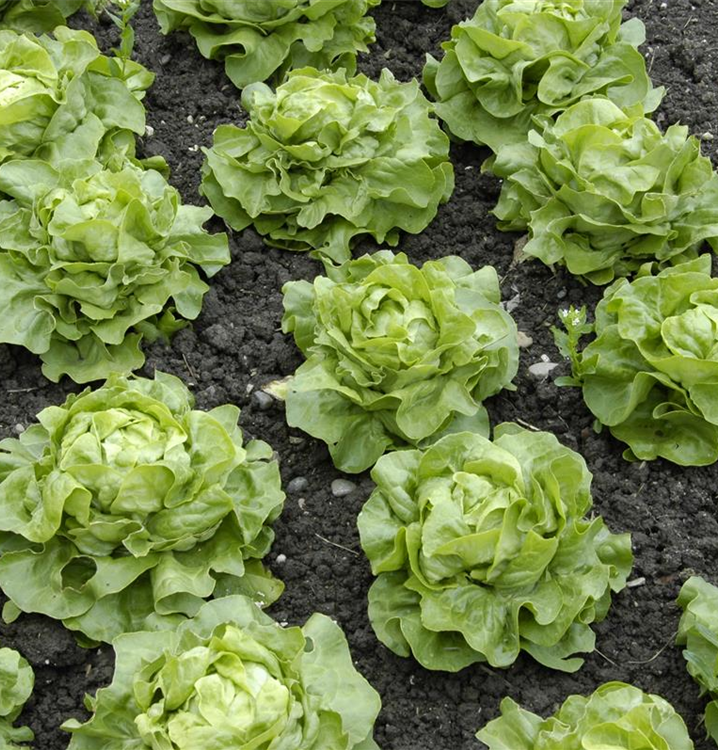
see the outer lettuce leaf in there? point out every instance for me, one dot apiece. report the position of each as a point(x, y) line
point(125, 508)
point(651, 374)
point(483, 550)
point(517, 59)
point(264, 40)
point(698, 632)
point(37, 15)
point(60, 98)
point(602, 191)
point(232, 678)
point(396, 354)
point(327, 158)
point(93, 260)
point(16, 682)
point(616, 716)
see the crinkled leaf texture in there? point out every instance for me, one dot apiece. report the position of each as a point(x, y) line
point(483, 549)
point(614, 716)
point(698, 633)
point(125, 508)
point(232, 678)
point(92, 260)
point(651, 373)
point(396, 354)
point(517, 59)
point(327, 158)
point(60, 98)
point(602, 191)
point(259, 41)
point(36, 15)
point(16, 683)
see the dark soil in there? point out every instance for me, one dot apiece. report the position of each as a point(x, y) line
point(236, 346)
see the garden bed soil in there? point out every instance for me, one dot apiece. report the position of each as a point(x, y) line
point(236, 346)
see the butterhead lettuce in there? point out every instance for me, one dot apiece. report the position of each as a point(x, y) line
point(37, 15)
point(232, 678)
point(484, 549)
point(16, 683)
point(326, 158)
point(395, 353)
point(125, 508)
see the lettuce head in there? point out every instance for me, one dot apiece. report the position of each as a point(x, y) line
point(16, 683)
point(125, 508)
point(37, 15)
point(484, 549)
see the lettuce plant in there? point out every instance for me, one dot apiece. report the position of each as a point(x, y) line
point(263, 40)
point(326, 158)
point(59, 94)
point(232, 678)
point(124, 508)
point(614, 716)
point(650, 375)
point(36, 15)
point(516, 59)
point(483, 549)
point(602, 191)
point(93, 260)
point(395, 353)
point(698, 633)
point(16, 683)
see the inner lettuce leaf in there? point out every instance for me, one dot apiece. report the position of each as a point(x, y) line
point(16, 683)
point(603, 190)
point(485, 549)
point(234, 679)
point(259, 41)
point(698, 634)
point(616, 715)
point(37, 16)
point(93, 260)
point(125, 508)
point(327, 158)
point(516, 59)
point(396, 354)
point(651, 373)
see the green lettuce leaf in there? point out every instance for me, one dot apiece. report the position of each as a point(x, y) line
point(93, 260)
point(615, 715)
point(698, 633)
point(517, 59)
point(603, 191)
point(262, 41)
point(37, 15)
point(483, 549)
point(396, 354)
point(232, 678)
point(125, 508)
point(326, 158)
point(651, 373)
point(16, 682)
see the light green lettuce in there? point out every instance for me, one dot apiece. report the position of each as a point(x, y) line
point(93, 260)
point(263, 40)
point(37, 15)
point(16, 683)
point(516, 59)
point(396, 354)
point(60, 98)
point(698, 633)
point(602, 191)
point(484, 549)
point(651, 373)
point(125, 508)
point(327, 158)
point(616, 716)
point(232, 678)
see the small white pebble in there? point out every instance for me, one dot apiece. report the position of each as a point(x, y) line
point(149, 131)
point(250, 387)
point(524, 340)
point(302, 503)
point(281, 559)
point(663, 6)
point(707, 136)
point(47, 661)
point(342, 487)
point(19, 429)
point(194, 149)
point(542, 369)
point(190, 119)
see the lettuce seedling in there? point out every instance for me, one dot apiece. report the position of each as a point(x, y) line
point(603, 191)
point(259, 41)
point(232, 678)
point(651, 373)
point(16, 683)
point(327, 158)
point(615, 715)
point(125, 508)
point(396, 354)
point(698, 632)
point(483, 550)
point(516, 59)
